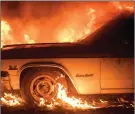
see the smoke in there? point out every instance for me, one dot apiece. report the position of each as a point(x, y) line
point(57, 21)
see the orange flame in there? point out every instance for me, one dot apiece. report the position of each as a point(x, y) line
point(124, 6)
point(42, 103)
point(73, 31)
point(11, 100)
point(5, 33)
point(72, 101)
point(69, 34)
point(28, 40)
point(63, 100)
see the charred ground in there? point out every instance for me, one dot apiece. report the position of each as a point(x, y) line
point(122, 110)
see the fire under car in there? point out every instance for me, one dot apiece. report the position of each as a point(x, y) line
point(102, 63)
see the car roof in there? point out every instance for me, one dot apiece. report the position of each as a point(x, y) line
point(119, 21)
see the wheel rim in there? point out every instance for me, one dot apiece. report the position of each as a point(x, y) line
point(43, 86)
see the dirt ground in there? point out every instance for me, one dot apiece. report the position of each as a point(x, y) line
point(120, 110)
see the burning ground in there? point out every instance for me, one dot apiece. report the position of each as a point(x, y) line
point(64, 101)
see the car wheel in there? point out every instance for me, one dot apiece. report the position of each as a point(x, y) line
point(41, 83)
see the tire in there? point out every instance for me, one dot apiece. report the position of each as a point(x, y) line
point(41, 83)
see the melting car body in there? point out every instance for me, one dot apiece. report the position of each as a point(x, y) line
point(102, 63)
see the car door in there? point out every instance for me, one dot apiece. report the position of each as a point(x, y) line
point(114, 44)
point(117, 73)
point(117, 69)
point(84, 68)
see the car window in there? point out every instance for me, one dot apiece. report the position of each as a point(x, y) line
point(114, 39)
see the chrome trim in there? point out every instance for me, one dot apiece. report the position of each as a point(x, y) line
point(48, 65)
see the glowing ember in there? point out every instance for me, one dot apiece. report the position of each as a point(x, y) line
point(42, 103)
point(103, 101)
point(11, 100)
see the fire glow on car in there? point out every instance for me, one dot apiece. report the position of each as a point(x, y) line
point(66, 35)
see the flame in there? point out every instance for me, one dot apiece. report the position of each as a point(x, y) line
point(28, 40)
point(72, 101)
point(11, 100)
point(42, 103)
point(67, 35)
point(125, 6)
point(71, 34)
point(6, 37)
point(63, 100)
point(76, 28)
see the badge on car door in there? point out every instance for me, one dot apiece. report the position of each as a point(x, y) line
point(12, 67)
point(84, 75)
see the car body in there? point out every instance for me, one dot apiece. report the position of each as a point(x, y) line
point(102, 63)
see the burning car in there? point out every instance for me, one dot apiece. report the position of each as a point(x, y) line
point(102, 63)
